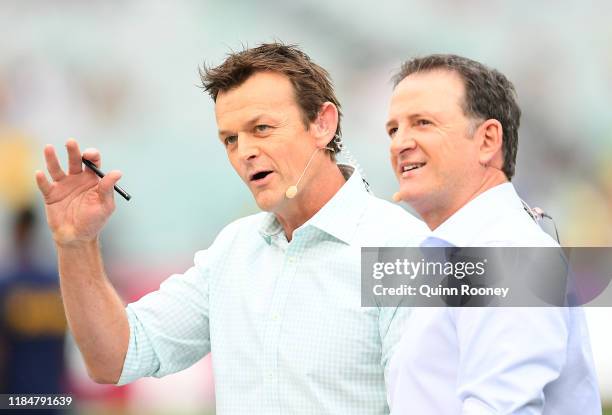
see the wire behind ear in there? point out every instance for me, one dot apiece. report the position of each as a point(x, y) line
point(348, 156)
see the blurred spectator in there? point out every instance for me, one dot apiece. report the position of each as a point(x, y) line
point(32, 322)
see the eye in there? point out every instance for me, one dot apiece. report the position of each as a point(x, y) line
point(422, 121)
point(262, 128)
point(230, 139)
point(391, 132)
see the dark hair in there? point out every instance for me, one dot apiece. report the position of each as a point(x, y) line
point(24, 222)
point(310, 82)
point(488, 94)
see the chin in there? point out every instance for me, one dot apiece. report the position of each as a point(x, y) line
point(412, 194)
point(268, 202)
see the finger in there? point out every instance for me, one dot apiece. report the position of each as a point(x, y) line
point(53, 165)
point(74, 157)
point(93, 155)
point(107, 182)
point(42, 182)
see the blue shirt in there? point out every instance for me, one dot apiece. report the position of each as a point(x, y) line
point(496, 360)
point(32, 329)
point(283, 320)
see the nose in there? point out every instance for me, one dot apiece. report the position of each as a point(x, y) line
point(247, 147)
point(402, 140)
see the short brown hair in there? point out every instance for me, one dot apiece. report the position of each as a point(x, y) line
point(310, 82)
point(488, 94)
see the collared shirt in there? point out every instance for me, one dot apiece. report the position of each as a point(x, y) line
point(493, 360)
point(283, 320)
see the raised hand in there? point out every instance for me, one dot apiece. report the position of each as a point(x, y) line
point(77, 204)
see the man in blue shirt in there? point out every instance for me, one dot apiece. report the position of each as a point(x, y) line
point(454, 128)
point(276, 297)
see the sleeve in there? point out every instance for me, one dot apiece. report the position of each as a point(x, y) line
point(169, 328)
point(507, 356)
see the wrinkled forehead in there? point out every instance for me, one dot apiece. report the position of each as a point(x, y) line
point(437, 90)
point(262, 92)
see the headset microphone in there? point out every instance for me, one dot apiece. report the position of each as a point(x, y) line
point(397, 197)
point(292, 191)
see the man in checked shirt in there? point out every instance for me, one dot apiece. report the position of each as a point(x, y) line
point(276, 298)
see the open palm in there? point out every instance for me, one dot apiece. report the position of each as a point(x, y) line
point(77, 204)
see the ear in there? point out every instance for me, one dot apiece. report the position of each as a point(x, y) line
point(491, 136)
point(324, 126)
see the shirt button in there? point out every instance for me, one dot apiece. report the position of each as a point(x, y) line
point(270, 375)
point(291, 259)
point(275, 317)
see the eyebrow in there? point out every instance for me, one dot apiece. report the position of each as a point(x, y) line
point(251, 121)
point(389, 124)
point(410, 117)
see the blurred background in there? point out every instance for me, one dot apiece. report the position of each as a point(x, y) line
point(122, 76)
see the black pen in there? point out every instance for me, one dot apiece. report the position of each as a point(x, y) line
point(99, 173)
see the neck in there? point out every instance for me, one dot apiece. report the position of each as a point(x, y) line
point(313, 194)
point(439, 212)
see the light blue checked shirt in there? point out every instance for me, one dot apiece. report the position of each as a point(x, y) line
point(283, 320)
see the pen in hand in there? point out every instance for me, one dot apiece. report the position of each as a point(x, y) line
point(100, 174)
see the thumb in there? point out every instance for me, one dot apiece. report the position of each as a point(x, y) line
point(107, 182)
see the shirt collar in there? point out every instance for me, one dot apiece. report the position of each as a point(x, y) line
point(339, 217)
point(269, 227)
point(468, 221)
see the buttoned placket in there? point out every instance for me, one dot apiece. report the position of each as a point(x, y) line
point(275, 314)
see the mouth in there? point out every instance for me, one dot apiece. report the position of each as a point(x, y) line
point(408, 167)
point(259, 176)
